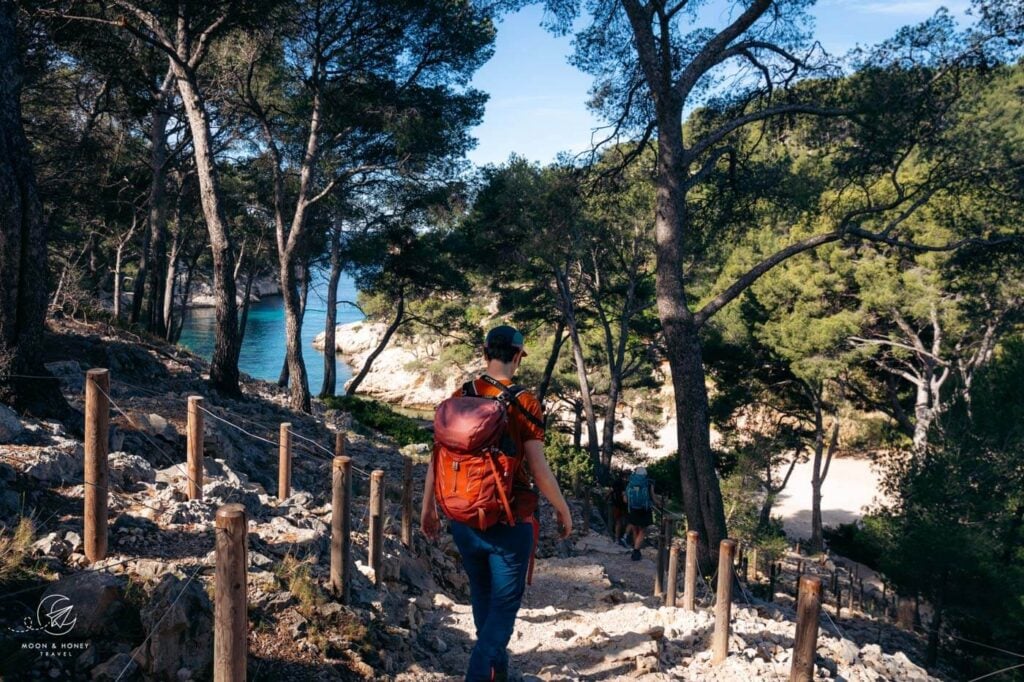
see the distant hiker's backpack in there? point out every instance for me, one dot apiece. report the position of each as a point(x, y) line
point(638, 492)
point(475, 460)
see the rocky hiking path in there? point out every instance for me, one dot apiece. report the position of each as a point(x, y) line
point(590, 616)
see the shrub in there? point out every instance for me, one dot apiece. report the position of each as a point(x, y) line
point(567, 461)
point(863, 541)
point(665, 474)
point(379, 417)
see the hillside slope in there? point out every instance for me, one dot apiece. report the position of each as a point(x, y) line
point(145, 613)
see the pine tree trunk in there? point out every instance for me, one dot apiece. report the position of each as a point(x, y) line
point(186, 293)
point(353, 385)
point(170, 285)
point(577, 425)
point(119, 256)
point(923, 413)
point(298, 382)
point(329, 385)
point(23, 234)
point(817, 540)
point(243, 317)
point(158, 174)
point(549, 368)
point(157, 208)
point(224, 363)
point(569, 315)
point(702, 496)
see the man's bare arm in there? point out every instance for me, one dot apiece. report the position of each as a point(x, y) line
point(547, 484)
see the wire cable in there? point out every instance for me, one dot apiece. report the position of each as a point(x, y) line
point(162, 616)
point(236, 426)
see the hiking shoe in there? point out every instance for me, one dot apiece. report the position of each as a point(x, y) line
point(622, 541)
point(635, 556)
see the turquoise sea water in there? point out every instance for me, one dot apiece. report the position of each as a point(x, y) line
point(263, 346)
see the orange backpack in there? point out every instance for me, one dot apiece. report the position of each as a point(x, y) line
point(475, 461)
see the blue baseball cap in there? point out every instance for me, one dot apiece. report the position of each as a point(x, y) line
point(505, 335)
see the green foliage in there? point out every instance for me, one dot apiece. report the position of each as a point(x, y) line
point(954, 528)
point(566, 461)
point(379, 417)
point(862, 540)
point(665, 475)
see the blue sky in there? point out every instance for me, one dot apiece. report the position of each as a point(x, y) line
point(537, 104)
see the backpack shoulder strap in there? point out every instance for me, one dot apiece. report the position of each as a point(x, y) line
point(469, 388)
point(513, 392)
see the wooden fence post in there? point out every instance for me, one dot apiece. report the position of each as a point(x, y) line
point(690, 575)
point(230, 615)
point(341, 528)
point(662, 558)
point(723, 604)
point(194, 448)
point(407, 502)
point(376, 549)
point(673, 575)
point(97, 435)
point(807, 614)
point(284, 464)
point(752, 566)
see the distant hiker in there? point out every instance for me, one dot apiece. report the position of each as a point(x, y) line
point(488, 441)
point(617, 498)
point(640, 502)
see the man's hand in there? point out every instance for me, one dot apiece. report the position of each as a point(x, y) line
point(430, 523)
point(564, 522)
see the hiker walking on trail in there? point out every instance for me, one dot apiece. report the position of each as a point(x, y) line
point(640, 507)
point(488, 445)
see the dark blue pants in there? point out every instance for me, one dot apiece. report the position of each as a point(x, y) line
point(496, 561)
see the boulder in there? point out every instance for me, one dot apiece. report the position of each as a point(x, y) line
point(218, 493)
point(126, 469)
point(96, 600)
point(178, 621)
point(58, 463)
point(190, 511)
point(65, 368)
point(10, 425)
point(51, 545)
point(155, 425)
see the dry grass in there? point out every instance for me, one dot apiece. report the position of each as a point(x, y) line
point(295, 577)
point(14, 548)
